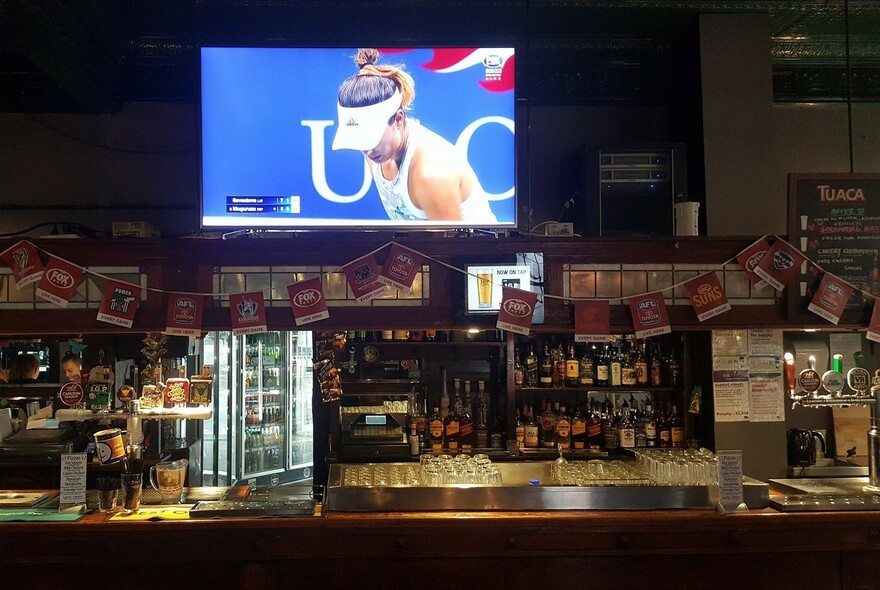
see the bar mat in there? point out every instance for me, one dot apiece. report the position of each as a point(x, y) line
point(36, 515)
point(176, 512)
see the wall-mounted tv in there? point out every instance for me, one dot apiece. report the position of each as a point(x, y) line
point(291, 139)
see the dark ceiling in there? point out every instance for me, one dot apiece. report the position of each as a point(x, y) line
point(93, 56)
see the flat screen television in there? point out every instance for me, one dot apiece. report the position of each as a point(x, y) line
point(485, 281)
point(270, 121)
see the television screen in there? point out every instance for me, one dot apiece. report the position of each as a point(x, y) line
point(422, 138)
point(485, 282)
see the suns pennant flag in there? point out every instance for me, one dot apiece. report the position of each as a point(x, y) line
point(363, 278)
point(307, 301)
point(649, 315)
point(517, 308)
point(401, 267)
point(248, 313)
point(830, 298)
point(707, 296)
point(59, 281)
point(119, 303)
point(779, 265)
point(184, 314)
point(751, 257)
point(24, 260)
point(592, 321)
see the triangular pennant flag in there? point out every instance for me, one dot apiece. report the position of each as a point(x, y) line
point(592, 321)
point(707, 296)
point(779, 265)
point(248, 313)
point(751, 257)
point(363, 278)
point(517, 308)
point(830, 298)
point(401, 267)
point(649, 315)
point(184, 314)
point(59, 281)
point(307, 301)
point(24, 260)
point(119, 303)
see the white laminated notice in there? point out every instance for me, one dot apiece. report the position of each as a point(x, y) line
point(73, 478)
point(730, 482)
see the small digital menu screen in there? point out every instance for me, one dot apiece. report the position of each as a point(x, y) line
point(485, 282)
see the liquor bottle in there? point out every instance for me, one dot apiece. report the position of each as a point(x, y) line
point(530, 430)
point(650, 422)
point(444, 398)
point(466, 425)
point(435, 431)
point(422, 427)
point(521, 429)
point(558, 366)
point(673, 370)
point(532, 368)
point(656, 367)
point(579, 430)
point(626, 430)
point(594, 429)
point(519, 371)
point(413, 440)
point(586, 368)
point(676, 429)
point(664, 434)
point(546, 379)
point(548, 426)
point(602, 368)
point(456, 397)
point(482, 428)
point(640, 363)
point(452, 430)
point(611, 437)
point(638, 420)
point(496, 432)
point(628, 376)
point(563, 429)
point(572, 368)
point(615, 368)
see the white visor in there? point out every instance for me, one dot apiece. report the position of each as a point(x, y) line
point(361, 128)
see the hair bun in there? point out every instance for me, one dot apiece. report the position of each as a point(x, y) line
point(366, 57)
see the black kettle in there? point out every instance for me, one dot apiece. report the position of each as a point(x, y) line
point(802, 446)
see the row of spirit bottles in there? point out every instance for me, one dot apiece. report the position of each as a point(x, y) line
point(599, 426)
point(623, 362)
point(459, 423)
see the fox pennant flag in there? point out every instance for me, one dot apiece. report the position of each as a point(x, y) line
point(307, 301)
point(751, 257)
point(517, 308)
point(59, 281)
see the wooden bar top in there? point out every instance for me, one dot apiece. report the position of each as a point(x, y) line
point(758, 548)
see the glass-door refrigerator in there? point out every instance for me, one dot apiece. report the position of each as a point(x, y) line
point(261, 430)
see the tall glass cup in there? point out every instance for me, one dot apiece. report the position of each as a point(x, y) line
point(484, 287)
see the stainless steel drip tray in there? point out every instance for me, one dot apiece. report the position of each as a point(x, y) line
point(526, 486)
point(829, 468)
point(822, 494)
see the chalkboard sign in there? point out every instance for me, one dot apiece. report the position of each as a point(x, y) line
point(834, 219)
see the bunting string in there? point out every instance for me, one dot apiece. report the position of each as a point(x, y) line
point(13, 261)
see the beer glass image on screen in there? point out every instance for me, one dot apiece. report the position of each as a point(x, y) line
point(484, 287)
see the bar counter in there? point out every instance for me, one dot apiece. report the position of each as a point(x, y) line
point(675, 549)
